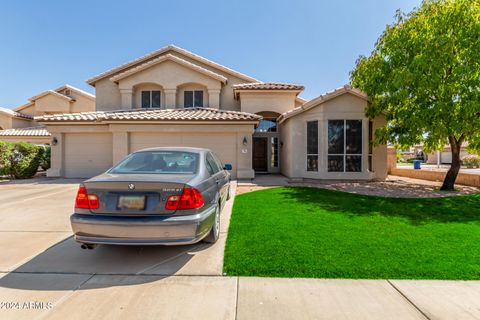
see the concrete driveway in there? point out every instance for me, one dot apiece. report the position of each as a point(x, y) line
point(45, 275)
point(43, 266)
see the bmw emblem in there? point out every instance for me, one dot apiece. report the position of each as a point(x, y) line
point(131, 186)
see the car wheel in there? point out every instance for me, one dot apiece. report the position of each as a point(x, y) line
point(214, 233)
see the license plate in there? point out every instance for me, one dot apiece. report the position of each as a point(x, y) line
point(131, 202)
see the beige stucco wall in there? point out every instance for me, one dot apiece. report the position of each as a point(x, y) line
point(225, 140)
point(259, 101)
point(108, 96)
point(81, 103)
point(22, 123)
point(294, 133)
point(35, 140)
point(51, 103)
point(171, 76)
point(5, 121)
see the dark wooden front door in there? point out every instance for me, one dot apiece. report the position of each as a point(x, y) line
point(260, 154)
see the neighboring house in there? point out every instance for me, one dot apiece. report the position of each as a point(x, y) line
point(445, 155)
point(172, 97)
point(19, 124)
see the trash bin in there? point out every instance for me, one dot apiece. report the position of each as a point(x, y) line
point(416, 164)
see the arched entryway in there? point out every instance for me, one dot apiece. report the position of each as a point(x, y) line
point(266, 153)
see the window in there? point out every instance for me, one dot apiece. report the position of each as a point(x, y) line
point(370, 146)
point(212, 164)
point(312, 146)
point(274, 146)
point(192, 98)
point(151, 99)
point(158, 162)
point(344, 145)
point(267, 125)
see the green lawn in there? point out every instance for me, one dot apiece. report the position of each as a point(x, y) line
point(309, 232)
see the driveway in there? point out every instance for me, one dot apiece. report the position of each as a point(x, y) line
point(41, 263)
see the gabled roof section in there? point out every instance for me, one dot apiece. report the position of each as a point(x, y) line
point(168, 115)
point(38, 131)
point(173, 48)
point(322, 99)
point(15, 114)
point(168, 57)
point(77, 90)
point(52, 92)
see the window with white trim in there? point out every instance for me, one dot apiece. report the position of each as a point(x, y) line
point(344, 146)
point(312, 146)
point(151, 99)
point(192, 98)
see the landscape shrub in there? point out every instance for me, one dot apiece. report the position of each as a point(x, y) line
point(45, 156)
point(471, 161)
point(5, 152)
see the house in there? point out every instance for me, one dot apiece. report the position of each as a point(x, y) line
point(173, 97)
point(19, 124)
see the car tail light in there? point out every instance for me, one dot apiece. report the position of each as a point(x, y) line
point(191, 198)
point(85, 200)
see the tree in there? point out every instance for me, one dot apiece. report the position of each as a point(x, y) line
point(424, 76)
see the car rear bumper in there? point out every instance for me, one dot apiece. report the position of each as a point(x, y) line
point(146, 230)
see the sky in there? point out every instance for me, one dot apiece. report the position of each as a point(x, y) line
point(46, 44)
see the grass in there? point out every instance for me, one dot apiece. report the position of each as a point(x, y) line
point(310, 232)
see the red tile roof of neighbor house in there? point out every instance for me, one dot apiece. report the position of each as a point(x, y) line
point(188, 114)
point(268, 86)
point(38, 131)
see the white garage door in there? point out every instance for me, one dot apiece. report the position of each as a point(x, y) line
point(87, 154)
point(223, 144)
point(446, 157)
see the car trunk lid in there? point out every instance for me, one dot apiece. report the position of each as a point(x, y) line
point(135, 194)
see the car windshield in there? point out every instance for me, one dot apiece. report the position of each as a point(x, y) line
point(159, 162)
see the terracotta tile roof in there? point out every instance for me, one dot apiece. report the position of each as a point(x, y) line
point(322, 99)
point(169, 57)
point(31, 132)
point(189, 114)
point(17, 114)
point(267, 86)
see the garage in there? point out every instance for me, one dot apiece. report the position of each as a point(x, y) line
point(224, 145)
point(87, 154)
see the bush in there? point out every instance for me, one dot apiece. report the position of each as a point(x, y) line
point(5, 152)
point(45, 155)
point(471, 161)
point(25, 160)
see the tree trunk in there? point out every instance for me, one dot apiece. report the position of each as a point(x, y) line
point(449, 181)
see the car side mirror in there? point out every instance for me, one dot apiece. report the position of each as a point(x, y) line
point(228, 167)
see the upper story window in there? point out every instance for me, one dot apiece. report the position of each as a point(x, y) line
point(192, 98)
point(151, 99)
point(267, 125)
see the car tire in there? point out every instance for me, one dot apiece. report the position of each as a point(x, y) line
point(214, 233)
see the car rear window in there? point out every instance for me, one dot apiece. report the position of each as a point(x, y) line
point(159, 162)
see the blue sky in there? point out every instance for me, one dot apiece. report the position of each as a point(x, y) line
point(46, 44)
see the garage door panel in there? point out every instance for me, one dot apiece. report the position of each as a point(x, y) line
point(87, 154)
point(224, 144)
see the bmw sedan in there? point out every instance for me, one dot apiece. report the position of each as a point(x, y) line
point(156, 196)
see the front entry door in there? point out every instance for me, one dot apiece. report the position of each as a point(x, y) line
point(260, 154)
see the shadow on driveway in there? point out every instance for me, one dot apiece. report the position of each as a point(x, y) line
point(67, 259)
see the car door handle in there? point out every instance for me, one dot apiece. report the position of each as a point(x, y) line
point(218, 181)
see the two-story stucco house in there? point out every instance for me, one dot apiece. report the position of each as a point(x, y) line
point(172, 97)
point(19, 124)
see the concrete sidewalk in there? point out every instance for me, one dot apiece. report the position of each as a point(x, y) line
point(86, 296)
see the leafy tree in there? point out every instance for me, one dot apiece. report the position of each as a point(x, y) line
point(424, 76)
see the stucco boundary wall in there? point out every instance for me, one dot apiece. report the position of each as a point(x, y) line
point(466, 179)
